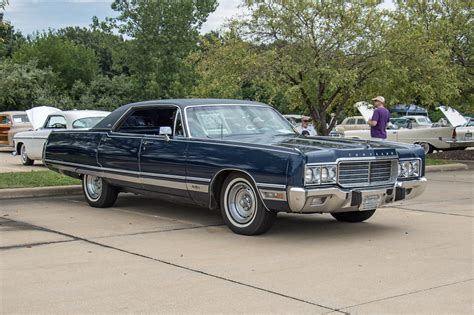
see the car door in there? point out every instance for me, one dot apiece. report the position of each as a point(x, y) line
point(5, 125)
point(118, 155)
point(36, 139)
point(163, 155)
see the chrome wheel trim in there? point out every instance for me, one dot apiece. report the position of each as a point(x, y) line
point(93, 187)
point(426, 147)
point(241, 202)
point(23, 154)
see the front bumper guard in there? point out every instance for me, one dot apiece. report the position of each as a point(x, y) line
point(334, 199)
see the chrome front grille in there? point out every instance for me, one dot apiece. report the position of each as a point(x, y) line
point(367, 173)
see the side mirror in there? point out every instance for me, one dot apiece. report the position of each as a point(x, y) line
point(165, 131)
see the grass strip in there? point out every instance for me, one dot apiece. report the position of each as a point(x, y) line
point(438, 162)
point(35, 179)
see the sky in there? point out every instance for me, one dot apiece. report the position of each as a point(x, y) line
point(29, 16)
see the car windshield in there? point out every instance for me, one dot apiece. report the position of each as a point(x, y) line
point(231, 120)
point(424, 121)
point(87, 122)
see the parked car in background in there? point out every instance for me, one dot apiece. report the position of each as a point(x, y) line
point(463, 126)
point(29, 144)
point(435, 138)
point(352, 123)
point(295, 120)
point(241, 157)
point(10, 124)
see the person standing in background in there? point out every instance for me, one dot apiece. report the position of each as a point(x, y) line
point(305, 129)
point(380, 119)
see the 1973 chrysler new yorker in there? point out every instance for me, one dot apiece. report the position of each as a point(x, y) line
point(240, 156)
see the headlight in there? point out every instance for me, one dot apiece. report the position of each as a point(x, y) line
point(409, 168)
point(324, 174)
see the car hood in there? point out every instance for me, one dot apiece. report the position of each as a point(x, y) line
point(321, 149)
point(365, 109)
point(38, 115)
point(453, 116)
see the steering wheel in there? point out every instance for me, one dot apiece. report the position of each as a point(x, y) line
point(58, 125)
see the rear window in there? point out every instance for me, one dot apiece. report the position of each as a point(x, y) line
point(88, 122)
point(20, 119)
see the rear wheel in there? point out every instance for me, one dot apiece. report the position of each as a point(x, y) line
point(98, 192)
point(353, 216)
point(241, 207)
point(428, 148)
point(24, 156)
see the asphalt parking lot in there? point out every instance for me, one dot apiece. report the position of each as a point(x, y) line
point(58, 255)
point(10, 163)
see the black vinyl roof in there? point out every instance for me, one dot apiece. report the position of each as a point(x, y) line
point(111, 119)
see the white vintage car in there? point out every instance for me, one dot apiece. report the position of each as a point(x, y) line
point(435, 138)
point(29, 144)
point(463, 126)
point(352, 123)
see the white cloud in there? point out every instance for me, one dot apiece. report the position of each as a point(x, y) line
point(217, 19)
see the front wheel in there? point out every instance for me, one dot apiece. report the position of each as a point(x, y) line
point(241, 207)
point(25, 160)
point(428, 148)
point(98, 192)
point(353, 216)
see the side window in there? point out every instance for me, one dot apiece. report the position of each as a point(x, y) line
point(56, 122)
point(178, 126)
point(149, 120)
point(350, 121)
point(361, 121)
point(4, 120)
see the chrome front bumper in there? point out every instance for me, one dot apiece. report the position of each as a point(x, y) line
point(334, 199)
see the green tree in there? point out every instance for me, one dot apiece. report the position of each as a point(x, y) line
point(71, 61)
point(229, 67)
point(162, 33)
point(428, 55)
point(109, 48)
point(320, 52)
point(24, 85)
point(10, 40)
point(103, 93)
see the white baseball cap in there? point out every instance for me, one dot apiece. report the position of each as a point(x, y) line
point(379, 98)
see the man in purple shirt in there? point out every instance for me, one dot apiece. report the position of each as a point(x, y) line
point(379, 120)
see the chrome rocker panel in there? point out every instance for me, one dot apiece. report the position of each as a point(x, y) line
point(333, 199)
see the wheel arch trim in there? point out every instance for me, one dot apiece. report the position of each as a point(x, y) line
point(212, 197)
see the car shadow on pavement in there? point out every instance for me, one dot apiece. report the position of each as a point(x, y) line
point(289, 226)
point(323, 226)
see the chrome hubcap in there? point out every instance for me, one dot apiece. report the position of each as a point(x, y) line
point(242, 203)
point(93, 186)
point(23, 153)
point(426, 147)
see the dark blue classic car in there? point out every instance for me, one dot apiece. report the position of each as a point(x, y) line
point(241, 157)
